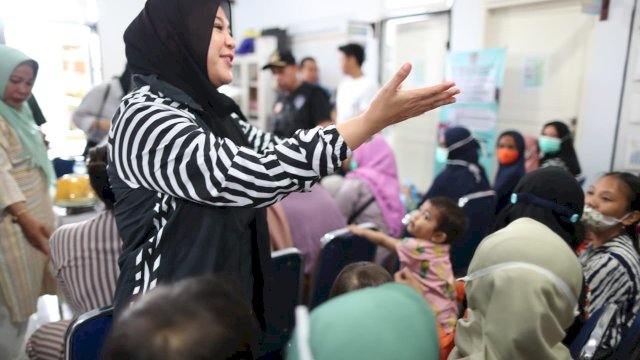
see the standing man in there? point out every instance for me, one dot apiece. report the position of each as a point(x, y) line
point(309, 73)
point(356, 90)
point(300, 105)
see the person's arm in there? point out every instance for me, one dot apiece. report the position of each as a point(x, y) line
point(158, 147)
point(13, 203)
point(376, 237)
point(86, 116)
point(260, 141)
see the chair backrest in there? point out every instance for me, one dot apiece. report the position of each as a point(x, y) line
point(629, 347)
point(339, 249)
point(86, 335)
point(595, 338)
point(585, 331)
point(287, 292)
point(479, 209)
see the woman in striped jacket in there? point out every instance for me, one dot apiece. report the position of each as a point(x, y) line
point(191, 176)
point(610, 262)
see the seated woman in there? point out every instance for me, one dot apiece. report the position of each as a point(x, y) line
point(464, 181)
point(524, 280)
point(510, 151)
point(84, 259)
point(556, 146)
point(610, 262)
point(310, 216)
point(371, 190)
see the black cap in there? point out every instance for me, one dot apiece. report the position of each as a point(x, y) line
point(280, 59)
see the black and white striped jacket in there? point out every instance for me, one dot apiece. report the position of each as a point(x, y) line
point(186, 199)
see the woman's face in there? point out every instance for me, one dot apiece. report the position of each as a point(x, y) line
point(18, 88)
point(550, 131)
point(609, 196)
point(508, 142)
point(221, 51)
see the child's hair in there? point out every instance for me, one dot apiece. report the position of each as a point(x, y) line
point(453, 221)
point(359, 275)
point(633, 196)
point(194, 319)
point(97, 170)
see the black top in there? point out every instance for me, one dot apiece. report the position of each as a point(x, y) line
point(304, 108)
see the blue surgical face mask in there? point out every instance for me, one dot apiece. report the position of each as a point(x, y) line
point(549, 145)
point(442, 155)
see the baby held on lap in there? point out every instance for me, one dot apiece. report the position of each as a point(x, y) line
point(425, 253)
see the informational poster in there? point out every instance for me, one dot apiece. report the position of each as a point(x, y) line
point(633, 154)
point(479, 76)
point(535, 72)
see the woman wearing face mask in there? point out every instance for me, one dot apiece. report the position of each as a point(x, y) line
point(556, 146)
point(610, 262)
point(464, 181)
point(192, 176)
point(510, 152)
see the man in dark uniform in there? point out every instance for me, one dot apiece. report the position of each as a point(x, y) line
point(300, 105)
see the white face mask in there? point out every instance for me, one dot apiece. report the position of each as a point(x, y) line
point(596, 221)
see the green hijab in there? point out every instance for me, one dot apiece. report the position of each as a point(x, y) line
point(391, 321)
point(21, 120)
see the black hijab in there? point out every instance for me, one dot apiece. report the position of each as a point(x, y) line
point(509, 174)
point(553, 184)
point(567, 153)
point(170, 39)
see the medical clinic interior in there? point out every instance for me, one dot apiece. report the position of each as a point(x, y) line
point(297, 179)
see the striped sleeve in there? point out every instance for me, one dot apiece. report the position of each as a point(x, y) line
point(10, 193)
point(260, 141)
point(156, 146)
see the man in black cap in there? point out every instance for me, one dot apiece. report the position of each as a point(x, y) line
point(299, 105)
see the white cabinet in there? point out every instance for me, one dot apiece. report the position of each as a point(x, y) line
point(253, 88)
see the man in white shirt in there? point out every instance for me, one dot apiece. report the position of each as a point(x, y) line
point(356, 90)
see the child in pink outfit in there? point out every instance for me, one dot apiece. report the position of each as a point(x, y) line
point(426, 253)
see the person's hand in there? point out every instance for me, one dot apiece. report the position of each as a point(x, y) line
point(405, 276)
point(35, 232)
point(392, 105)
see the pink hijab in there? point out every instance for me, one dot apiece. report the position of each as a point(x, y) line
point(376, 166)
point(531, 153)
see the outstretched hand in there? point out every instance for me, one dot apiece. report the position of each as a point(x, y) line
point(392, 104)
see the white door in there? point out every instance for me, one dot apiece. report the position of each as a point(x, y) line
point(421, 40)
point(548, 48)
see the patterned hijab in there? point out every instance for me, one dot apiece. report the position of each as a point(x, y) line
point(21, 120)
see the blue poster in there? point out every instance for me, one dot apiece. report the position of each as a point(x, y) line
point(479, 76)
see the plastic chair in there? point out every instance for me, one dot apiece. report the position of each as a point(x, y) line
point(287, 291)
point(86, 335)
point(629, 347)
point(339, 249)
point(595, 338)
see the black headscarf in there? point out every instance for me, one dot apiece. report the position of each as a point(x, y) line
point(170, 38)
point(567, 153)
point(509, 174)
point(553, 184)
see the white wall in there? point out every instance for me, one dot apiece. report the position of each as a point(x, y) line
point(113, 18)
point(596, 131)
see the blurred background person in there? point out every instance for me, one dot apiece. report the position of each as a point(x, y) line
point(26, 175)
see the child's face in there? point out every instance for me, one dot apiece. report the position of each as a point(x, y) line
point(423, 224)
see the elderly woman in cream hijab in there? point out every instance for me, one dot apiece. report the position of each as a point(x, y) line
point(524, 279)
